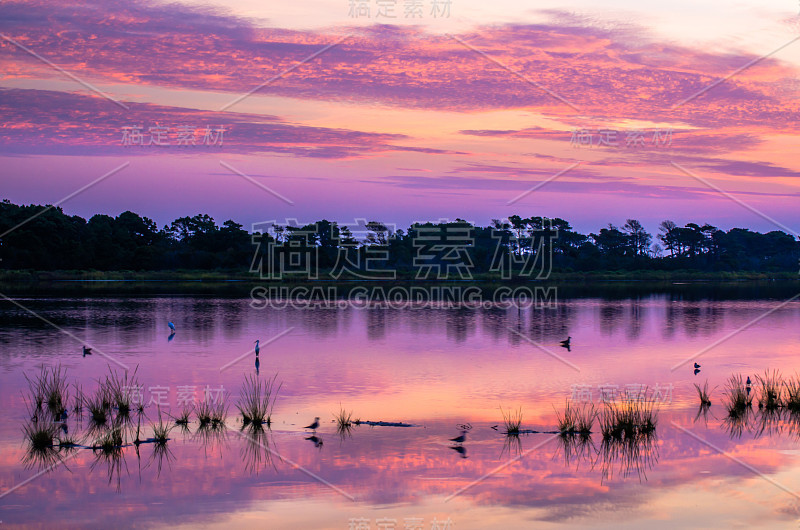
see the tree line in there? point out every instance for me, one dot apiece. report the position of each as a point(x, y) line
point(45, 238)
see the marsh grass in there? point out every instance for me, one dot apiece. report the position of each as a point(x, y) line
point(184, 416)
point(628, 419)
point(512, 420)
point(56, 390)
point(576, 419)
point(77, 407)
point(792, 399)
point(704, 394)
point(344, 419)
point(40, 435)
point(49, 389)
point(36, 388)
point(161, 430)
point(117, 390)
point(211, 412)
point(109, 441)
point(770, 393)
point(738, 401)
point(99, 407)
point(257, 399)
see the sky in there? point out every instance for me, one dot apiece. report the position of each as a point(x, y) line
point(406, 110)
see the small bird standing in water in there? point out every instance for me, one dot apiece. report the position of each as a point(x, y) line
point(86, 351)
point(566, 343)
point(460, 439)
point(314, 425)
point(257, 348)
point(171, 326)
point(696, 365)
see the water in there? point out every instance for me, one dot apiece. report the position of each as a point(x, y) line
point(437, 369)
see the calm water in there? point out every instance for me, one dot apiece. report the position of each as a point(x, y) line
point(437, 369)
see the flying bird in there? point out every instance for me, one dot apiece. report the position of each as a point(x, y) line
point(314, 425)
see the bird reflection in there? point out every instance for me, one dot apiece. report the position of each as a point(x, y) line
point(696, 371)
point(258, 364)
point(316, 440)
point(460, 449)
point(171, 336)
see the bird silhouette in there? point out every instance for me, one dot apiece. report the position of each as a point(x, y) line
point(696, 365)
point(460, 439)
point(86, 351)
point(171, 326)
point(258, 365)
point(566, 343)
point(257, 348)
point(696, 371)
point(313, 426)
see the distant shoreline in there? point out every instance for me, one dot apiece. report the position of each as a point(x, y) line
point(204, 276)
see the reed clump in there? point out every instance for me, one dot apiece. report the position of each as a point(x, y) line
point(770, 393)
point(257, 399)
point(512, 420)
point(739, 400)
point(576, 419)
point(628, 419)
point(344, 419)
point(704, 394)
point(792, 399)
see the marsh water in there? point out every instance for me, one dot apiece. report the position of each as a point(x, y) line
point(443, 371)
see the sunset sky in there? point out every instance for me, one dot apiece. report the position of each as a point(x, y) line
point(439, 115)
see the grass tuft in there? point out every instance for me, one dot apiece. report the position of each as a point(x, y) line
point(738, 399)
point(704, 394)
point(770, 393)
point(257, 400)
point(512, 420)
point(576, 420)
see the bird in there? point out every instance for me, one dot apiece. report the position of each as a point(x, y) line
point(696, 371)
point(257, 348)
point(565, 343)
point(86, 351)
point(171, 326)
point(258, 365)
point(460, 439)
point(696, 365)
point(748, 379)
point(314, 425)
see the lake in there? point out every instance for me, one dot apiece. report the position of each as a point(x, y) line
point(440, 372)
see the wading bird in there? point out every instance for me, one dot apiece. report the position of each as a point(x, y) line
point(566, 343)
point(696, 365)
point(86, 351)
point(460, 439)
point(257, 348)
point(314, 425)
point(171, 326)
